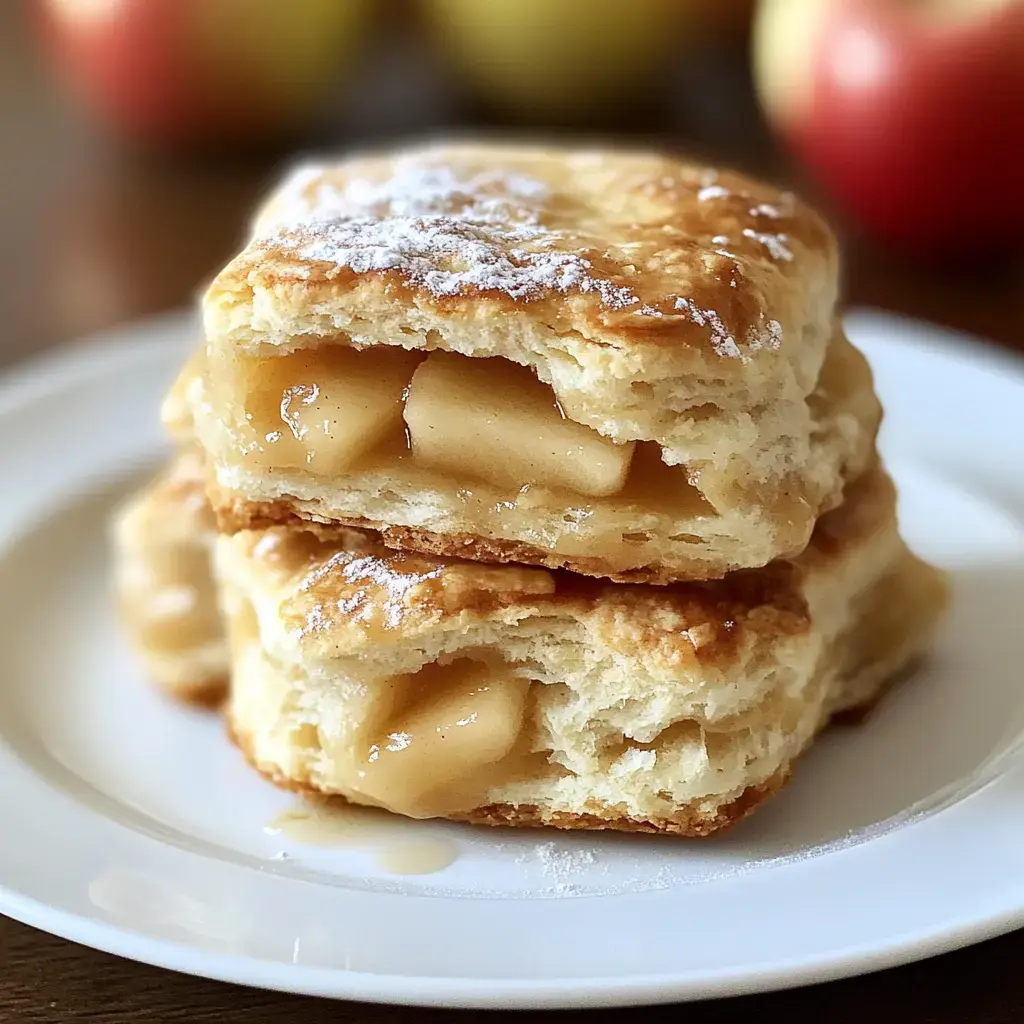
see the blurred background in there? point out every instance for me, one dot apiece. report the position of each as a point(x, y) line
point(136, 134)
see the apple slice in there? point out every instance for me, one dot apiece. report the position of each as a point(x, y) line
point(324, 408)
point(432, 754)
point(493, 420)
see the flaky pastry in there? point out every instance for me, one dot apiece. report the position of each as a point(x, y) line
point(618, 363)
point(522, 696)
point(163, 543)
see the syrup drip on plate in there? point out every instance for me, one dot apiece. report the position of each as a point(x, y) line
point(386, 837)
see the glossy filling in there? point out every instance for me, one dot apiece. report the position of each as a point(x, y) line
point(441, 420)
point(429, 743)
point(440, 739)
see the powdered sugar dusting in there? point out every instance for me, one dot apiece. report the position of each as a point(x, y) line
point(565, 868)
point(771, 338)
point(776, 244)
point(450, 257)
point(457, 226)
point(712, 192)
point(784, 206)
point(391, 586)
point(721, 339)
point(414, 189)
point(451, 234)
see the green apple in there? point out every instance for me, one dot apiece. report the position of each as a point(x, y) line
point(553, 57)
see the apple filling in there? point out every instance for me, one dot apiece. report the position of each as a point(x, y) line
point(441, 420)
point(424, 744)
point(439, 739)
point(495, 420)
point(325, 409)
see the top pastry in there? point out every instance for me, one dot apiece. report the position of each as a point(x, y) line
point(567, 334)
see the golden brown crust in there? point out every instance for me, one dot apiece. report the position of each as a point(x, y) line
point(235, 515)
point(210, 693)
point(688, 266)
point(690, 821)
point(368, 594)
point(363, 594)
point(491, 549)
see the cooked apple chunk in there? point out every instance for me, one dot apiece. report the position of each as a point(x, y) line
point(494, 420)
point(457, 721)
point(324, 408)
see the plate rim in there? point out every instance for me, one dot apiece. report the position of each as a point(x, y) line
point(454, 992)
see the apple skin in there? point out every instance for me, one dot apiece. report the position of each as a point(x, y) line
point(183, 71)
point(538, 58)
point(910, 115)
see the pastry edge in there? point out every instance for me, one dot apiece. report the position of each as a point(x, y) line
point(235, 514)
point(689, 821)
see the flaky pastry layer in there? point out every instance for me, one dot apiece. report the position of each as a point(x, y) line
point(672, 709)
point(661, 302)
point(592, 266)
point(662, 530)
point(163, 538)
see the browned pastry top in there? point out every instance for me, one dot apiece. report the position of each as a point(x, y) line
point(630, 249)
point(344, 583)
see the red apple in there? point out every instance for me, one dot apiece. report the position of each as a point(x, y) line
point(187, 70)
point(910, 113)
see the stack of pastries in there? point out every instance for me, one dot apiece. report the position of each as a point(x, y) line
point(526, 487)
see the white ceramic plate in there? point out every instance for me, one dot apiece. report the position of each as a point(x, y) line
point(132, 825)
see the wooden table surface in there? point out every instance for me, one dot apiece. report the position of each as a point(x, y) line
point(91, 236)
